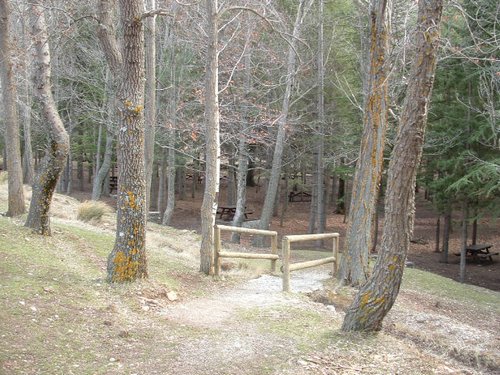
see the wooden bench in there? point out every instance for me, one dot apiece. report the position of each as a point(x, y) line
point(113, 183)
point(299, 196)
point(229, 211)
point(479, 252)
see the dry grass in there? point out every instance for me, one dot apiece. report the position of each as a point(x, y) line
point(92, 211)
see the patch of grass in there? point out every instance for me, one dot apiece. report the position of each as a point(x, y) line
point(91, 211)
point(308, 328)
point(443, 287)
point(100, 242)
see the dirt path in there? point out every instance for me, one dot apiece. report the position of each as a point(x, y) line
point(233, 339)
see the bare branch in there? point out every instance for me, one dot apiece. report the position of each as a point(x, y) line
point(156, 12)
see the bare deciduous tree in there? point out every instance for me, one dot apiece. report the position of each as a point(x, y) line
point(55, 158)
point(12, 142)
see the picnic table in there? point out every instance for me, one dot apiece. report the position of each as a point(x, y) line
point(113, 184)
point(229, 211)
point(299, 196)
point(479, 252)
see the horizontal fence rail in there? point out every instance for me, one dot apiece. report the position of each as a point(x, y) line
point(289, 267)
point(273, 257)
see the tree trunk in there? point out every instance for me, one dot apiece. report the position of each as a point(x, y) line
point(474, 228)
point(320, 165)
point(150, 97)
point(16, 205)
point(463, 251)
point(354, 265)
point(378, 294)
point(438, 234)
point(26, 105)
point(169, 210)
point(231, 180)
point(100, 177)
point(241, 188)
point(318, 211)
point(109, 45)
point(162, 182)
point(274, 179)
point(446, 236)
point(53, 164)
point(212, 142)
point(127, 260)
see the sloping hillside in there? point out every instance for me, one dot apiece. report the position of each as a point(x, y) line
point(58, 316)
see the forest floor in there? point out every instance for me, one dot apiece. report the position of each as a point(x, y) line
point(58, 316)
point(422, 251)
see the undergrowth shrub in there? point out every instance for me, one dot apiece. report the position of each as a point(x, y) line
point(91, 210)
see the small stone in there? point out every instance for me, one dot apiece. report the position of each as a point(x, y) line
point(172, 296)
point(22, 303)
point(112, 359)
point(331, 308)
point(145, 308)
point(33, 308)
point(124, 334)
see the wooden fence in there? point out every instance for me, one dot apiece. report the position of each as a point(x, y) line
point(273, 257)
point(288, 267)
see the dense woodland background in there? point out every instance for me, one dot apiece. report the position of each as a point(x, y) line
point(278, 92)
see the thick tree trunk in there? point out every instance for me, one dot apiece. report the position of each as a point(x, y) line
point(16, 205)
point(212, 142)
point(53, 164)
point(354, 265)
point(127, 260)
point(378, 294)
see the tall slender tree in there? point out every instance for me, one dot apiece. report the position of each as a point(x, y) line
point(377, 296)
point(150, 96)
point(212, 140)
point(53, 164)
point(274, 179)
point(12, 141)
point(354, 264)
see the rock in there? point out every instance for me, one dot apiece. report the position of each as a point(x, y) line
point(172, 296)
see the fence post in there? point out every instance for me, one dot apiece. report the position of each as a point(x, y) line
point(285, 245)
point(274, 250)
